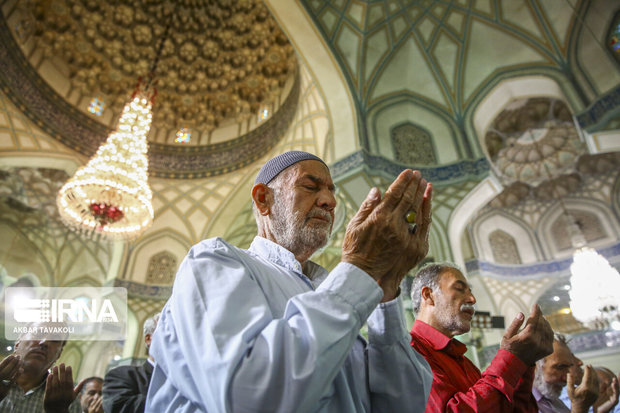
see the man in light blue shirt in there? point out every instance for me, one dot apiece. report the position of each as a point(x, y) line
point(562, 369)
point(268, 330)
point(607, 401)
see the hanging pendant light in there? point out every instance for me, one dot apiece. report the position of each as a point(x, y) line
point(110, 196)
point(595, 290)
point(594, 284)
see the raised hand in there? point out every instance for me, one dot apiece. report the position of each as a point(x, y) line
point(611, 400)
point(59, 391)
point(9, 368)
point(378, 239)
point(532, 343)
point(584, 395)
point(96, 405)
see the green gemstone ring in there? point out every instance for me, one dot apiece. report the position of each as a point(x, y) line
point(410, 217)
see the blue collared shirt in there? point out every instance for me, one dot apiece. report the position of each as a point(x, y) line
point(246, 331)
point(546, 405)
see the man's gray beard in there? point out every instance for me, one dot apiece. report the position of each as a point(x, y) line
point(550, 391)
point(448, 321)
point(293, 234)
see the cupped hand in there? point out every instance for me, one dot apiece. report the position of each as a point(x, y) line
point(584, 395)
point(532, 343)
point(59, 390)
point(9, 369)
point(611, 398)
point(96, 405)
point(378, 239)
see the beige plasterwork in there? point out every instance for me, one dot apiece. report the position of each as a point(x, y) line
point(324, 70)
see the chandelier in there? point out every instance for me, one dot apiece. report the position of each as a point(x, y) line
point(595, 284)
point(110, 195)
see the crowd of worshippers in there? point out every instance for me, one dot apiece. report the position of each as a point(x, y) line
point(268, 330)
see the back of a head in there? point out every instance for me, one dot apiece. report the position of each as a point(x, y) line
point(150, 324)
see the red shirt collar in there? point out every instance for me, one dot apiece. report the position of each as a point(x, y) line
point(436, 339)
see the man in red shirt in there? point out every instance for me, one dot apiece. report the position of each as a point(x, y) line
point(444, 307)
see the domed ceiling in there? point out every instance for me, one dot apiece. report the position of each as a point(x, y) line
point(532, 140)
point(220, 63)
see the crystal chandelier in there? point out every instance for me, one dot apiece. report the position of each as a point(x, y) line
point(110, 195)
point(595, 284)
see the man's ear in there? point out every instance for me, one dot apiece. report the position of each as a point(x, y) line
point(427, 296)
point(262, 196)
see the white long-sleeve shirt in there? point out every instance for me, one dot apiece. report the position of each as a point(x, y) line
point(246, 331)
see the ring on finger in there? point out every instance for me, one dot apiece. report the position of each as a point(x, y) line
point(410, 217)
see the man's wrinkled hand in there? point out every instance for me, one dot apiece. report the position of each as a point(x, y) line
point(9, 368)
point(59, 391)
point(611, 399)
point(532, 343)
point(378, 239)
point(96, 405)
point(584, 395)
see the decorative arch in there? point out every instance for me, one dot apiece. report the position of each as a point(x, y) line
point(589, 224)
point(504, 248)
point(412, 145)
point(162, 268)
point(506, 91)
point(586, 207)
point(34, 265)
point(524, 238)
point(405, 108)
point(463, 213)
point(164, 240)
point(316, 55)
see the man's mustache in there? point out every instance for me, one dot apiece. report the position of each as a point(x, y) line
point(469, 307)
point(319, 213)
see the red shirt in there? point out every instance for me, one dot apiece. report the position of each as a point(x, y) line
point(458, 386)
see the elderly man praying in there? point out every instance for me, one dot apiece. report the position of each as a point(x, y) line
point(268, 330)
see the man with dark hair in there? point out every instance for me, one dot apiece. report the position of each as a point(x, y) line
point(268, 330)
point(444, 306)
point(559, 369)
point(125, 387)
point(91, 395)
point(27, 385)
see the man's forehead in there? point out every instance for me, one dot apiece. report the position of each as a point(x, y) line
point(93, 384)
point(452, 275)
point(312, 168)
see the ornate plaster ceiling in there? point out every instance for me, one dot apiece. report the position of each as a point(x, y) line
point(444, 56)
point(27, 204)
point(220, 62)
point(532, 140)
